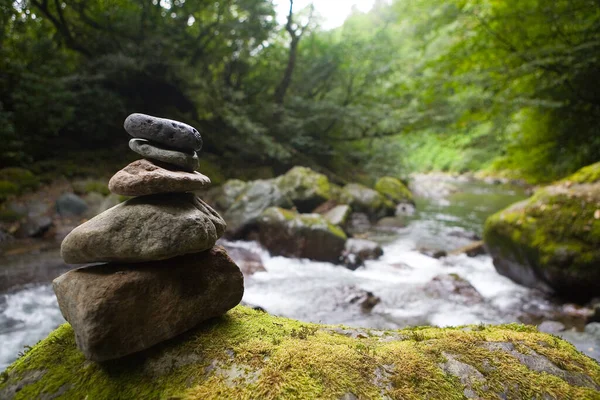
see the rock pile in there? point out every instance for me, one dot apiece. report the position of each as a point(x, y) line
point(161, 273)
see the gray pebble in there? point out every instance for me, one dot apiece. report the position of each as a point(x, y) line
point(187, 162)
point(169, 133)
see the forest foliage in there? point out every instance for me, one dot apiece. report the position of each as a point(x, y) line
point(460, 85)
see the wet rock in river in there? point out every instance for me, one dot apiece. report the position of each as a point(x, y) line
point(472, 250)
point(552, 240)
point(452, 286)
point(287, 233)
point(394, 190)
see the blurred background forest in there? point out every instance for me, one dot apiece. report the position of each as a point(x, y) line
point(508, 87)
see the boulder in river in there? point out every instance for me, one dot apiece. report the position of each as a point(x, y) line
point(306, 188)
point(287, 233)
point(552, 240)
point(248, 261)
point(339, 215)
point(224, 196)
point(119, 309)
point(256, 197)
point(453, 286)
point(240, 355)
point(145, 228)
point(394, 190)
point(364, 249)
point(358, 224)
point(369, 201)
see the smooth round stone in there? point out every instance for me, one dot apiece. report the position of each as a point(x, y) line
point(169, 133)
point(188, 162)
point(143, 177)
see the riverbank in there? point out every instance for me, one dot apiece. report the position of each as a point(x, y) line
point(405, 287)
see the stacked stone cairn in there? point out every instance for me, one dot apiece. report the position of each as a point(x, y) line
point(161, 273)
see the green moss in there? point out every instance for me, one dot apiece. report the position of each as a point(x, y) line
point(394, 190)
point(589, 174)
point(15, 181)
point(88, 186)
point(310, 221)
point(369, 201)
point(8, 215)
point(249, 354)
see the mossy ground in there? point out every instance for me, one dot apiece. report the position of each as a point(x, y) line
point(247, 354)
point(589, 174)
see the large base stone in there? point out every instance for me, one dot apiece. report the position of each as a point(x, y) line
point(119, 309)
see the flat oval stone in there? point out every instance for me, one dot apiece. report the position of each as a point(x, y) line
point(145, 228)
point(187, 162)
point(143, 177)
point(173, 134)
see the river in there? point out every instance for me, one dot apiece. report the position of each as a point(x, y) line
point(449, 214)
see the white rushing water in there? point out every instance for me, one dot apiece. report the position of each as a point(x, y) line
point(323, 292)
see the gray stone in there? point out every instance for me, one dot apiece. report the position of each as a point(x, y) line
point(34, 227)
point(143, 177)
point(471, 250)
point(169, 133)
point(248, 261)
point(145, 228)
point(369, 201)
point(256, 197)
point(390, 223)
point(119, 309)
point(364, 249)
point(70, 205)
point(358, 223)
point(306, 188)
point(224, 196)
point(338, 215)
point(185, 161)
point(453, 287)
point(551, 327)
point(593, 328)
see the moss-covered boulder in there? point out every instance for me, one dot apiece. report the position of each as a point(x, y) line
point(306, 188)
point(248, 354)
point(369, 201)
point(287, 233)
point(394, 190)
point(552, 240)
point(224, 196)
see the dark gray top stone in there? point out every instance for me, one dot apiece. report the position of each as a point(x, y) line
point(169, 133)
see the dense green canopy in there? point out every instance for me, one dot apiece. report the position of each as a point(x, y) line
point(421, 84)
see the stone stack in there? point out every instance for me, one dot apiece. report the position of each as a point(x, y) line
point(161, 273)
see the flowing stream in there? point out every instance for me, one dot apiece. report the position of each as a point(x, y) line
point(449, 215)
